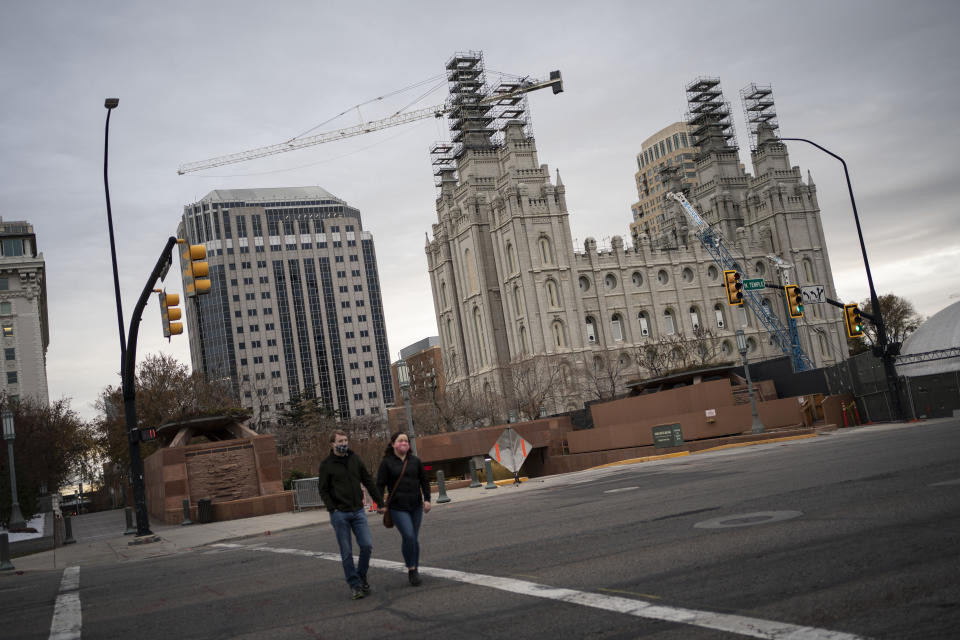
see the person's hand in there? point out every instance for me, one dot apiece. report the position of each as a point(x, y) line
point(381, 510)
point(426, 507)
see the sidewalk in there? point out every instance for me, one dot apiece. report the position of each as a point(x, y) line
point(101, 547)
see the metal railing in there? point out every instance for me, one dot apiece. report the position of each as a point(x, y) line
point(306, 493)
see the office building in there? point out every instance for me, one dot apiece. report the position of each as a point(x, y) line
point(23, 312)
point(664, 164)
point(295, 305)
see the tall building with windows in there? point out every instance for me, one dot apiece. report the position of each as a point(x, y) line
point(516, 300)
point(23, 312)
point(665, 163)
point(294, 306)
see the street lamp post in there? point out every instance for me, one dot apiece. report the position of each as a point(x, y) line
point(403, 376)
point(111, 104)
point(893, 383)
point(9, 433)
point(757, 426)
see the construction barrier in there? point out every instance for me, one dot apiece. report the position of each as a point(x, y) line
point(306, 493)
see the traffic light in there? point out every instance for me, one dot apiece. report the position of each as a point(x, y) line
point(196, 271)
point(853, 320)
point(169, 314)
point(734, 286)
point(143, 435)
point(794, 300)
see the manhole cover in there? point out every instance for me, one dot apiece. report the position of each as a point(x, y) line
point(747, 519)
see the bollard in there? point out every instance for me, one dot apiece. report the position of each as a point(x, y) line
point(128, 512)
point(5, 564)
point(488, 468)
point(474, 476)
point(68, 529)
point(442, 488)
point(186, 512)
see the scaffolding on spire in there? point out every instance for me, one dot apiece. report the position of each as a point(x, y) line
point(709, 116)
point(759, 110)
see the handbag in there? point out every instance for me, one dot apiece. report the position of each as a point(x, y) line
point(387, 520)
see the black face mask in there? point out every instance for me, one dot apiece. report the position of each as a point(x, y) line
point(341, 448)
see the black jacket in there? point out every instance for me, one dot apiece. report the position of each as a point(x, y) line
point(414, 488)
point(340, 478)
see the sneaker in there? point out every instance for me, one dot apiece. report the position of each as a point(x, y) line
point(364, 585)
point(414, 577)
point(356, 593)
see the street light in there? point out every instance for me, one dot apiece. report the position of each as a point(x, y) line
point(9, 433)
point(757, 426)
point(403, 376)
point(111, 104)
point(893, 383)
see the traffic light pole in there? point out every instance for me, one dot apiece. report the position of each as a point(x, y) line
point(130, 394)
point(893, 383)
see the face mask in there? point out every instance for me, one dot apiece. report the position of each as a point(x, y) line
point(341, 448)
point(401, 447)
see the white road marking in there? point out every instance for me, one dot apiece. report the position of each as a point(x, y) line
point(742, 625)
point(945, 483)
point(620, 489)
point(67, 613)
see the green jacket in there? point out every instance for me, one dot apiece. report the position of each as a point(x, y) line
point(340, 478)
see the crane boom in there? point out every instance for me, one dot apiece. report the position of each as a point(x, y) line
point(437, 111)
point(787, 338)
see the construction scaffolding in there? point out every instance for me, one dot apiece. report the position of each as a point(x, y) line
point(709, 116)
point(758, 109)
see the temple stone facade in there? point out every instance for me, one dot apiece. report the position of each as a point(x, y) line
point(510, 288)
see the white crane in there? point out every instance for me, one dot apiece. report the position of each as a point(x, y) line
point(437, 111)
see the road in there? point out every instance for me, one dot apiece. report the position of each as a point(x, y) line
point(850, 534)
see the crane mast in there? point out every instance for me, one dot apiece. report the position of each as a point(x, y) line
point(437, 111)
point(787, 338)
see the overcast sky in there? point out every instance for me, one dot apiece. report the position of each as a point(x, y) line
point(875, 82)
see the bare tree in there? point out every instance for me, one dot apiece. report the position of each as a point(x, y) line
point(533, 384)
point(605, 376)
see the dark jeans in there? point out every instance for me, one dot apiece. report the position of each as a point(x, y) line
point(345, 522)
point(408, 524)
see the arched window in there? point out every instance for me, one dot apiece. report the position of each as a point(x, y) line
point(616, 327)
point(808, 271)
point(511, 259)
point(524, 348)
point(546, 251)
point(443, 294)
point(591, 330)
point(559, 334)
point(760, 268)
point(668, 322)
point(823, 345)
point(481, 339)
point(718, 315)
point(449, 331)
point(744, 317)
point(553, 294)
point(471, 270)
point(646, 329)
point(695, 318)
point(517, 300)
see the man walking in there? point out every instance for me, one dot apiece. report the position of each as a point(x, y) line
point(340, 477)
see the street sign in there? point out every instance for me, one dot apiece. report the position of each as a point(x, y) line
point(814, 295)
point(752, 284)
point(510, 450)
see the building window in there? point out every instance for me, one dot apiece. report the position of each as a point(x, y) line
point(687, 275)
point(718, 314)
point(7, 330)
point(637, 279)
point(9, 354)
point(511, 259)
point(610, 281)
point(517, 301)
point(559, 334)
point(668, 322)
point(616, 325)
point(6, 308)
point(591, 330)
point(663, 277)
point(4, 284)
point(523, 340)
point(471, 270)
point(443, 294)
point(546, 251)
point(553, 294)
point(695, 318)
point(584, 283)
point(644, 322)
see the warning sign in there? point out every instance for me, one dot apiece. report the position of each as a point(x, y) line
point(510, 450)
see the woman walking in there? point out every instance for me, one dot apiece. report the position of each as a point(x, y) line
point(402, 474)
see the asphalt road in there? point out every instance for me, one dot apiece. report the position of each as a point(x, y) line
point(856, 532)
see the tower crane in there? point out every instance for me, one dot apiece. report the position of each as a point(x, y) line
point(438, 111)
point(787, 338)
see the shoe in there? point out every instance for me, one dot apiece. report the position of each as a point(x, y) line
point(414, 577)
point(364, 585)
point(356, 593)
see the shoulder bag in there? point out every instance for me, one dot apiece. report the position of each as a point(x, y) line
point(387, 520)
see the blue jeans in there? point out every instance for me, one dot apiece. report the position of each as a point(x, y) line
point(408, 524)
point(343, 523)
